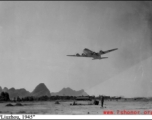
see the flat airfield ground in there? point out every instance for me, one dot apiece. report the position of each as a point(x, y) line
point(64, 108)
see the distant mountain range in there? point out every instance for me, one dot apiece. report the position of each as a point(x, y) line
point(69, 92)
point(17, 92)
point(42, 90)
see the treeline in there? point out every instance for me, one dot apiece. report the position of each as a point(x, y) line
point(4, 96)
point(44, 98)
point(47, 98)
point(110, 98)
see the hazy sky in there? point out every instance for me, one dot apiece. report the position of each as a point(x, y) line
point(36, 36)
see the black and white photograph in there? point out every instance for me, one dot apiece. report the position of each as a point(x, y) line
point(75, 58)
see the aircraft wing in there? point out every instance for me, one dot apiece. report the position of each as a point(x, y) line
point(110, 50)
point(77, 56)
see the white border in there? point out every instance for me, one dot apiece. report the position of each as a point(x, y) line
point(82, 116)
point(93, 117)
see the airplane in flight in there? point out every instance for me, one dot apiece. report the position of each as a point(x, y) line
point(95, 55)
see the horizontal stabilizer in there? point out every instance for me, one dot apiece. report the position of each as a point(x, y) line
point(99, 58)
point(104, 57)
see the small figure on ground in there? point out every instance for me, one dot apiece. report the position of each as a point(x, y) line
point(102, 101)
point(74, 103)
point(57, 102)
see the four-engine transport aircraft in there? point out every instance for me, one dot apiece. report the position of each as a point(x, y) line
point(94, 55)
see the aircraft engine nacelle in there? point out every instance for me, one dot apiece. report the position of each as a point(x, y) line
point(77, 54)
point(101, 52)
